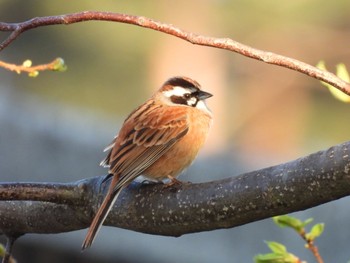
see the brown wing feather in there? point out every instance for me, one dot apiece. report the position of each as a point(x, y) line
point(137, 147)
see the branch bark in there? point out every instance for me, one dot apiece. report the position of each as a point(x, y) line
point(221, 43)
point(297, 185)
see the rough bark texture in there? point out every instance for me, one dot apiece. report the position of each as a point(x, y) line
point(173, 211)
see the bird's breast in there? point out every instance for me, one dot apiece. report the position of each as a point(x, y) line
point(183, 152)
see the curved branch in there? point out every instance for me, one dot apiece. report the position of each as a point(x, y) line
point(222, 43)
point(303, 183)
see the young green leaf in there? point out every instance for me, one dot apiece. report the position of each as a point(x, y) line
point(268, 258)
point(276, 247)
point(289, 221)
point(59, 65)
point(307, 221)
point(2, 251)
point(315, 232)
point(27, 63)
point(342, 73)
point(33, 74)
point(276, 258)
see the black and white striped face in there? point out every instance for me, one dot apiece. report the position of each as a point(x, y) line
point(183, 91)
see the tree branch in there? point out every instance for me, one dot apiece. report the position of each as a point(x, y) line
point(222, 43)
point(55, 65)
point(303, 183)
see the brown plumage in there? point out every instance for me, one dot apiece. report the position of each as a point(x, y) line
point(158, 140)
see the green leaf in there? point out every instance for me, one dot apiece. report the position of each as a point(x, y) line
point(321, 65)
point(279, 254)
point(315, 232)
point(289, 221)
point(342, 73)
point(268, 258)
point(2, 251)
point(307, 221)
point(33, 74)
point(27, 63)
point(276, 247)
point(59, 65)
point(276, 258)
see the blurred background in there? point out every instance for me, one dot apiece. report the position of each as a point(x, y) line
point(53, 127)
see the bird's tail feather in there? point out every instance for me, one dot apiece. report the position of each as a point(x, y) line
point(100, 217)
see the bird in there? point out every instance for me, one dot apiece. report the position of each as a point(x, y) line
point(158, 140)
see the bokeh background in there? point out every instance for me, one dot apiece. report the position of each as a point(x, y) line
point(54, 127)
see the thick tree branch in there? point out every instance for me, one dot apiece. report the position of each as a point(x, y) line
point(49, 192)
point(222, 43)
point(306, 182)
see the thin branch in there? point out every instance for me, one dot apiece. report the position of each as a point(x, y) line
point(55, 65)
point(310, 244)
point(222, 43)
point(303, 183)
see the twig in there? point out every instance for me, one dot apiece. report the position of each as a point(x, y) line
point(55, 65)
point(312, 247)
point(222, 43)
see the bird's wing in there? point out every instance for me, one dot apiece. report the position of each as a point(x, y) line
point(148, 132)
point(105, 161)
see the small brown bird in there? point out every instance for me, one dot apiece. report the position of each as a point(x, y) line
point(157, 140)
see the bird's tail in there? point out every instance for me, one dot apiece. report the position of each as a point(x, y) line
point(100, 217)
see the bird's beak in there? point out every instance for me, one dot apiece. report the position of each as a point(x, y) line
point(202, 95)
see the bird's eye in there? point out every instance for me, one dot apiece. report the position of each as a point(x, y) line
point(187, 96)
